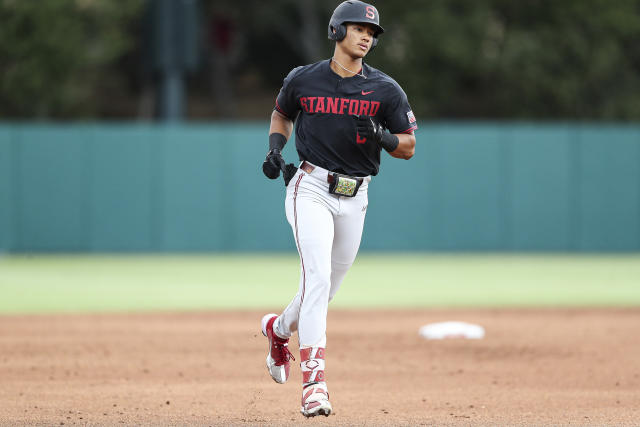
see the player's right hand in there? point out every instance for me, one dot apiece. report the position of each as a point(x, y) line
point(273, 164)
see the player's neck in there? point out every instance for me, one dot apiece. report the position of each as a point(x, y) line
point(352, 66)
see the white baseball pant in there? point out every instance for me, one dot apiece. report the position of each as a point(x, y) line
point(327, 229)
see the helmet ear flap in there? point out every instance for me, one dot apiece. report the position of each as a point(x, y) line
point(341, 32)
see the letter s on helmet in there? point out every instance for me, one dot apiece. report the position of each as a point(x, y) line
point(354, 11)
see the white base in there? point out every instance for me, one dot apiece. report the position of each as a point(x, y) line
point(444, 330)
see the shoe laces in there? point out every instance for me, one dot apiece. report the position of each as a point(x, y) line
point(281, 353)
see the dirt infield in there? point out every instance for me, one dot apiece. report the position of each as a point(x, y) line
point(534, 367)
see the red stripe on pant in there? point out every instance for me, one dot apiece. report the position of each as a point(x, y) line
point(295, 219)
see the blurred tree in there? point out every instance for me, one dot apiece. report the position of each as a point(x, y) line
point(529, 59)
point(58, 56)
point(249, 45)
point(471, 59)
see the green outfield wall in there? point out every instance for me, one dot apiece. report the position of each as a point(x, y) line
point(168, 188)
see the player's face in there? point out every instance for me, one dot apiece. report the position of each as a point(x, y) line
point(358, 40)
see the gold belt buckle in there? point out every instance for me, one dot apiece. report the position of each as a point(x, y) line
point(345, 186)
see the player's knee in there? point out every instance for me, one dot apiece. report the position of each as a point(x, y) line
point(317, 291)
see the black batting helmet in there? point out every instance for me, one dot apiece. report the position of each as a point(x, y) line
point(354, 11)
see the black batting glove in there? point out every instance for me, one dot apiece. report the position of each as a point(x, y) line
point(273, 164)
point(288, 173)
point(367, 128)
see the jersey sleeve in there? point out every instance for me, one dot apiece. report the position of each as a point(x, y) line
point(287, 101)
point(398, 117)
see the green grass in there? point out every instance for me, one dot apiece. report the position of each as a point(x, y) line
point(46, 284)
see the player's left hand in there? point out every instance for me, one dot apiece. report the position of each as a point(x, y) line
point(273, 164)
point(368, 129)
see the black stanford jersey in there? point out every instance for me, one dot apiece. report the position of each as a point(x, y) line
point(322, 103)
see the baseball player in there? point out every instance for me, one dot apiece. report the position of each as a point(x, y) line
point(345, 113)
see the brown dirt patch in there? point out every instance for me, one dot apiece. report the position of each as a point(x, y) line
point(535, 367)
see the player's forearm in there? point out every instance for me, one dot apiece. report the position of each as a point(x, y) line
point(406, 146)
point(280, 124)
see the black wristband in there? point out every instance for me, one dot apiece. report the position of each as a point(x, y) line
point(277, 140)
point(389, 142)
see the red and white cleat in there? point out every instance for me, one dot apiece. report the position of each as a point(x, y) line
point(315, 400)
point(279, 355)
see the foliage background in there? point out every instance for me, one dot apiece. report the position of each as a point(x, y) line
point(456, 59)
point(60, 58)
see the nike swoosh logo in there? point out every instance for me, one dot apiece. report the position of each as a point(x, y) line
point(367, 93)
